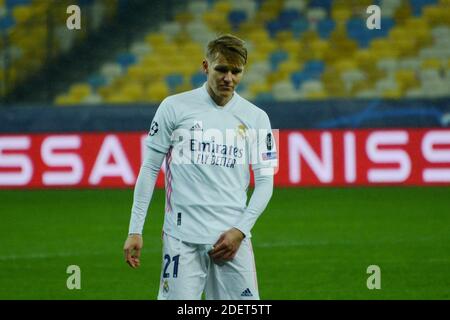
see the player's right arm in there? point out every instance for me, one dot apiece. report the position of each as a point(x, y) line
point(158, 143)
point(143, 192)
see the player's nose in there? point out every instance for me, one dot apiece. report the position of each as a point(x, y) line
point(228, 77)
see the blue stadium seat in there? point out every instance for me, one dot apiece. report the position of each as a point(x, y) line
point(198, 79)
point(299, 26)
point(174, 80)
point(277, 57)
point(314, 66)
point(13, 3)
point(274, 26)
point(358, 31)
point(126, 59)
point(297, 78)
point(287, 16)
point(6, 23)
point(325, 27)
point(96, 81)
point(312, 69)
point(236, 17)
point(325, 4)
point(417, 5)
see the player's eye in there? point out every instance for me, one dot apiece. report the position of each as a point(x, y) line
point(221, 69)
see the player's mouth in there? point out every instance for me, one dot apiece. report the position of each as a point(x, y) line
point(227, 88)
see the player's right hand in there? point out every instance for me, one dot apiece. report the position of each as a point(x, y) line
point(132, 250)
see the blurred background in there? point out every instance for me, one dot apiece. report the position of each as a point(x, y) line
point(364, 141)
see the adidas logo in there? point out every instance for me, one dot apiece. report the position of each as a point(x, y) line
point(246, 293)
point(196, 126)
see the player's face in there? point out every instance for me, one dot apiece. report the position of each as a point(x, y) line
point(223, 78)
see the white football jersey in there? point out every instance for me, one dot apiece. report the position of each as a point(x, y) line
point(209, 149)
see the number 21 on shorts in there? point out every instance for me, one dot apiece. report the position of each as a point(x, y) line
point(167, 261)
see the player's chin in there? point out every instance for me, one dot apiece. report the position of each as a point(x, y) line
point(226, 93)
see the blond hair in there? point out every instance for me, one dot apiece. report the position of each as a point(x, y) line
point(230, 47)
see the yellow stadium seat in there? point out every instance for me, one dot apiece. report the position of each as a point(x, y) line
point(190, 49)
point(394, 93)
point(289, 66)
point(156, 39)
point(186, 86)
point(80, 90)
point(269, 10)
point(414, 23)
point(183, 17)
point(22, 13)
point(133, 90)
point(140, 73)
point(222, 6)
point(151, 60)
point(341, 13)
point(432, 63)
point(406, 79)
point(256, 88)
point(318, 48)
point(317, 95)
point(156, 92)
point(406, 47)
point(345, 65)
point(119, 98)
point(275, 77)
point(166, 49)
point(284, 36)
point(215, 20)
point(434, 14)
point(65, 100)
point(403, 12)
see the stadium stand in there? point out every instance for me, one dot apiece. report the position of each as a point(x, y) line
point(316, 49)
point(33, 32)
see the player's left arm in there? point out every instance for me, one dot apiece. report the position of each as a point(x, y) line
point(229, 242)
point(264, 160)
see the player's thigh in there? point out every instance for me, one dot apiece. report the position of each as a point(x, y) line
point(235, 279)
point(183, 273)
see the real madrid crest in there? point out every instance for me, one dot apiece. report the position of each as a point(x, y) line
point(242, 131)
point(166, 287)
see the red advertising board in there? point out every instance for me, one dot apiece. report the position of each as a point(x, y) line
point(306, 158)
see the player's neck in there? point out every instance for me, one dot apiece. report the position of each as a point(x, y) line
point(220, 101)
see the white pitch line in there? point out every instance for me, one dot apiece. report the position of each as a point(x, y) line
point(151, 248)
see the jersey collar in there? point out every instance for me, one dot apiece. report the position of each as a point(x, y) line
point(228, 106)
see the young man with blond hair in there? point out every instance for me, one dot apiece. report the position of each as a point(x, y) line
point(209, 137)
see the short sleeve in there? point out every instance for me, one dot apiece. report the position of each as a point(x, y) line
point(264, 149)
point(163, 124)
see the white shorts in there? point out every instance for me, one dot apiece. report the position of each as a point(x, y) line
point(187, 272)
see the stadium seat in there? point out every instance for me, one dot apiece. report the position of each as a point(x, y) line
point(236, 17)
point(198, 79)
point(284, 91)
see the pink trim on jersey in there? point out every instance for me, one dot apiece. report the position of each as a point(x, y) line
point(168, 181)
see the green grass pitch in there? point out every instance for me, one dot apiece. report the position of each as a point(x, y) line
point(309, 244)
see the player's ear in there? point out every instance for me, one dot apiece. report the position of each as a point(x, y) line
point(205, 66)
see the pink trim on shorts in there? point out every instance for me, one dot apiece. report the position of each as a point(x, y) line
point(254, 265)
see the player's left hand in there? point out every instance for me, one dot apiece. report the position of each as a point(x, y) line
point(227, 246)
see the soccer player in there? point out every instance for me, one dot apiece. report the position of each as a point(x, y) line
point(208, 137)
